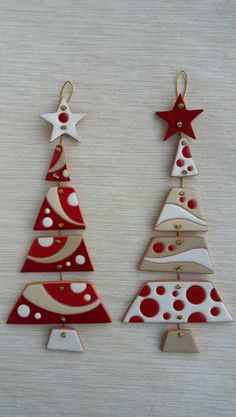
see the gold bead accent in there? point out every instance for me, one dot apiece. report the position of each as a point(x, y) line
point(58, 149)
point(181, 193)
point(62, 319)
point(59, 266)
point(180, 334)
point(180, 105)
point(63, 127)
point(179, 317)
point(61, 288)
point(179, 241)
point(56, 176)
point(178, 286)
point(57, 241)
point(60, 225)
point(179, 124)
point(178, 268)
point(63, 107)
point(184, 172)
point(63, 334)
point(60, 190)
point(178, 226)
point(183, 142)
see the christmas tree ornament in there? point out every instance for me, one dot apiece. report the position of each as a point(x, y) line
point(60, 302)
point(183, 300)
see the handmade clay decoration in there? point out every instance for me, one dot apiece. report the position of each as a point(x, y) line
point(183, 300)
point(60, 302)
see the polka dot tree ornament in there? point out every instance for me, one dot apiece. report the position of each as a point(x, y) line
point(60, 302)
point(185, 300)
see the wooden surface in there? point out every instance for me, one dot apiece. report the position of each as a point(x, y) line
point(122, 57)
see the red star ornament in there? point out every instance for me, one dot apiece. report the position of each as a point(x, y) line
point(179, 119)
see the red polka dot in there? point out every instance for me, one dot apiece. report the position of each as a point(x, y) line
point(196, 294)
point(149, 307)
point(190, 168)
point(214, 295)
point(175, 293)
point(215, 311)
point(197, 317)
point(166, 316)
point(180, 162)
point(160, 290)
point(192, 204)
point(63, 117)
point(171, 248)
point(158, 247)
point(178, 305)
point(145, 291)
point(182, 199)
point(186, 152)
point(135, 319)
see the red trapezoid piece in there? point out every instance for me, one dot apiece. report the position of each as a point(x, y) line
point(57, 170)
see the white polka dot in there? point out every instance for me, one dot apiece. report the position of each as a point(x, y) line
point(80, 259)
point(23, 311)
point(47, 222)
point(45, 242)
point(65, 173)
point(72, 200)
point(47, 211)
point(68, 263)
point(87, 297)
point(37, 316)
point(78, 287)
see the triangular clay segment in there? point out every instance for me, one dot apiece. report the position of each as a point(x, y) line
point(60, 210)
point(59, 302)
point(179, 341)
point(181, 212)
point(177, 254)
point(58, 254)
point(66, 339)
point(57, 170)
point(183, 163)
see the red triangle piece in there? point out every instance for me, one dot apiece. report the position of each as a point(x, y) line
point(60, 210)
point(57, 170)
point(59, 302)
point(58, 254)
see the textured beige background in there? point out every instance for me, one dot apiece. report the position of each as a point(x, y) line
point(122, 57)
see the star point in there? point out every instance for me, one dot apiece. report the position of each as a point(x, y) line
point(179, 119)
point(63, 121)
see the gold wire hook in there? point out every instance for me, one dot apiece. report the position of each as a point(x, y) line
point(185, 76)
point(71, 90)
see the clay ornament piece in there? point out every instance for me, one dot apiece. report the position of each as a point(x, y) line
point(183, 164)
point(58, 170)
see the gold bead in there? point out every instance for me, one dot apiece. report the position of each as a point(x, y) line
point(57, 241)
point(179, 317)
point(60, 190)
point(61, 288)
point(63, 334)
point(178, 226)
point(179, 242)
point(62, 319)
point(178, 268)
point(63, 127)
point(183, 142)
point(184, 172)
point(56, 176)
point(58, 149)
point(179, 124)
point(181, 193)
point(63, 107)
point(180, 334)
point(180, 105)
point(59, 266)
point(60, 225)
point(178, 286)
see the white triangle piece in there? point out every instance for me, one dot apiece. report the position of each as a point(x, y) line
point(65, 338)
point(183, 163)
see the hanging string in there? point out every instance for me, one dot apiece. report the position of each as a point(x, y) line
point(184, 75)
point(67, 85)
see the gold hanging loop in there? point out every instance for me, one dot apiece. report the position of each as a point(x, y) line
point(184, 75)
point(67, 84)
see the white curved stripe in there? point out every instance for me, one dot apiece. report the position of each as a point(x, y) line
point(72, 243)
point(199, 256)
point(172, 211)
point(36, 294)
point(54, 201)
point(59, 164)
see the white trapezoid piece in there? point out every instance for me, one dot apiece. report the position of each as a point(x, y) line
point(66, 339)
